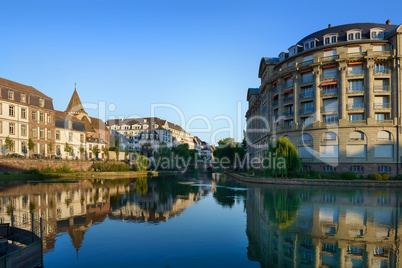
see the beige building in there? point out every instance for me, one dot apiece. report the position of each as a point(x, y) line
point(336, 94)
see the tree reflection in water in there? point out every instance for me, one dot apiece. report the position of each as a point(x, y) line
point(282, 206)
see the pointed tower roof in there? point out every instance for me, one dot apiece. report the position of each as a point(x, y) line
point(75, 106)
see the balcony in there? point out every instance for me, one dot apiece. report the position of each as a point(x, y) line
point(332, 74)
point(330, 91)
point(382, 89)
point(354, 106)
point(306, 79)
point(329, 108)
point(306, 95)
point(274, 90)
point(385, 105)
point(355, 89)
point(276, 117)
point(287, 99)
point(386, 121)
point(306, 110)
point(382, 53)
point(355, 72)
point(330, 58)
point(275, 103)
point(287, 114)
point(356, 55)
point(286, 127)
point(305, 63)
point(357, 122)
point(382, 71)
point(288, 84)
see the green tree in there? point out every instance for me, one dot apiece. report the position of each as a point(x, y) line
point(95, 151)
point(9, 144)
point(281, 158)
point(106, 151)
point(67, 149)
point(229, 153)
point(50, 148)
point(142, 163)
point(82, 151)
point(126, 153)
point(117, 148)
point(227, 142)
point(31, 146)
point(134, 154)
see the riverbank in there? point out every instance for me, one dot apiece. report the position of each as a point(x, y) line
point(312, 182)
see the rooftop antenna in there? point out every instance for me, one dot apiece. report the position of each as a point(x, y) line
point(75, 86)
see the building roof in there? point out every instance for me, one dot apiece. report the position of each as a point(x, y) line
point(75, 105)
point(23, 88)
point(62, 119)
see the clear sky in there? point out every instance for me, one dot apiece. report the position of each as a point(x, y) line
point(196, 56)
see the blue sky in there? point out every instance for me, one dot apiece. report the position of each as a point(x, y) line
point(198, 56)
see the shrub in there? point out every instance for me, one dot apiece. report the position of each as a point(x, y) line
point(361, 177)
point(110, 167)
point(47, 170)
point(348, 176)
point(385, 176)
point(377, 177)
point(63, 169)
point(34, 171)
point(398, 177)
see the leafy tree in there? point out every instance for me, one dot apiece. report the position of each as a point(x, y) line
point(67, 149)
point(106, 151)
point(134, 154)
point(229, 153)
point(31, 145)
point(95, 151)
point(50, 147)
point(126, 153)
point(227, 142)
point(281, 157)
point(9, 144)
point(117, 148)
point(82, 151)
point(142, 163)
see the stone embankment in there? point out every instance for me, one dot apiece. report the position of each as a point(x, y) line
point(312, 182)
point(16, 165)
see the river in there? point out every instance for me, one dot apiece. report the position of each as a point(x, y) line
point(201, 220)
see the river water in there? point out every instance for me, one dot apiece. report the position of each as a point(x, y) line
point(203, 220)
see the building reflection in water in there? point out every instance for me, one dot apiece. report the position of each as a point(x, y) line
point(302, 227)
point(74, 207)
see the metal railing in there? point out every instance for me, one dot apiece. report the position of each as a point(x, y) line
point(355, 89)
point(329, 108)
point(288, 84)
point(332, 74)
point(356, 54)
point(305, 63)
point(387, 121)
point(385, 105)
point(382, 71)
point(355, 72)
point(330, 58)
point(306, 95)
point(287, 99)
point(288, 114)
point(329, 91)
point(306, 79)
point(306, 110)
point(355, 106)
point(275, 89)
point(357, 122)
point(382, 53)
point(382, 89)
point(275, 103)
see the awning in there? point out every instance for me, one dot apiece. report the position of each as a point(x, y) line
point(306, 71)
point(288, 76)
point(328, 66)
point(289, 90)
point(356, 63)
point(276, 81)
point(329, 83)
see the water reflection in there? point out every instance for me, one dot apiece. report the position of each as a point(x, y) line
point(304, 227)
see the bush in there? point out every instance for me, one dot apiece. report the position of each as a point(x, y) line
point(47, 170)
point(385, 176)
point(361, 177)
point(348, 176)
point(398, 177)
point(111, 167)
point(34, 171)
point(312, 174)
point(63, 169)
point(377, 177)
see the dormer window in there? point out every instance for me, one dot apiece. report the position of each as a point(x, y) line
point(41, 102)
point(23, 98)
point(11, 95)
point(330, 39)
point(377, 33)
point(354, 35)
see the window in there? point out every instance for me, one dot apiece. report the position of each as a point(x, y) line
point(306, 46)
point(357, 49)
point(1, 127)
point(49, 134)
point(333, 39)
point(34, 132)
point(305, 151)
point(329, 136)
point(383, 135)
point(330, 39)
point(70, 125)
point(42, 117)
point(82, 138)
point(11, 110)
point(359, 150)
point(355, 86)
point(306, 168)
point(33, 115)
point(356, 169)
point(58, 151)
point(377, 34)
point(24, 148)
point(328, 168)
point(42, 132)
point(357, 136)
point(70, 137)
point(11, 95)
point(1, 108)
point(384, 151)
point(23, 130)
point(41, 102)
point(351, 36)
point(306, 138)
point(23, 98)
point(23, 113)
point(327, 40)
point(57, 135)
point(49, 118)
point(355, 117)
point(11, 128)
point(329, 73)
point(384, 169)
point(329, 151)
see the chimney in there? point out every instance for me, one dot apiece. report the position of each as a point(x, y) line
point(388, 22)
point(329, 25)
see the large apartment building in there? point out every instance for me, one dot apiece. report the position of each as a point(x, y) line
point(336, 95)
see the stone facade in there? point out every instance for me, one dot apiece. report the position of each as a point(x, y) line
point(336, 95)
point(20, 166)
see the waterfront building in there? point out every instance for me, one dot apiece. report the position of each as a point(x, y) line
point(336, 96)
point(25, 113)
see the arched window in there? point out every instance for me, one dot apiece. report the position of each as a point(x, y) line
point(306, 138)
point(356, 135)
point(329, 136)
point(383, 135)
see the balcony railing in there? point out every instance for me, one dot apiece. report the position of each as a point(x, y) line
point(355, 106)
point(329, 74)
point(288, 84)
point(287, 99)
point(288, 114)
point(306, 110)
point(275, 103)
point(357, 122)
point(387, 121)
point(330, 91)
point(329, 108)
point(382, 89)
point(384, 105)
point(355, 72)
point(382, 71)
point(286, 126)
point(330, 58)
point(356, 55)
point(276, 117)
point(274, 90)
point(306, 79)
point(306, 95)
point(382, 53)
point(355, 89)
point(305, 63)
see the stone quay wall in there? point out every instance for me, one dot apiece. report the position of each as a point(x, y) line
point(23, 165)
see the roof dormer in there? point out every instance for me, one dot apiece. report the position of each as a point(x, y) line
point(354, 34)
point(293, 50)
point(283, 55)
point(377, 33)
point(330, 38)
point(310, 43)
